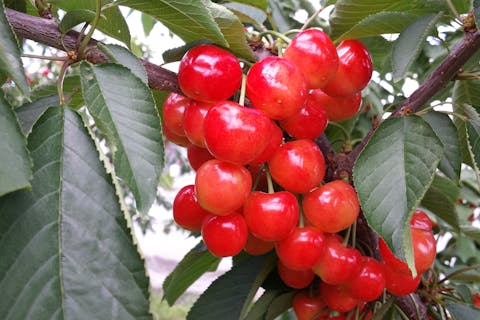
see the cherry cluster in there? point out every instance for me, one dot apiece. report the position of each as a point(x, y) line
point(259, 182)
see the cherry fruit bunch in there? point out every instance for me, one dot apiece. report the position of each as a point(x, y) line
point(259, 182)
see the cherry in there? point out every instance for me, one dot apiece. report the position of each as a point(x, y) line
point(354, 69)
point(338, 298)
point(297, 279)
point(314, 53)
point(274, 142)
point(309, 122)
point(369, 283)
point(208, 73)
point(187, 213)
point(297, 165)
point(337, 108)
point(257, 247)
point(301, 249)
point(193, 122)
point(476, 299)
point(173, 111)
point(277, 87)
point(235, 182)
point(271, 216)
point(175, 138)
point(197, 156)
point(400, 282)
point(332, 207)
point(235, 133)
point(338, 264)
point(309, 305)
point(225, 236)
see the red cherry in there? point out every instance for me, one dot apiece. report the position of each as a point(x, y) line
point(297, 165)
point(187, 213)
point(309, 122)
point(337, 108)
point(235, 133)
point(476, 299)
point(301, 249)
point(354, 69)
point(225, 236)
point(222, 187)
point(297, 279)
point(274, 142)
point(197, 156)
point(400, 282)
point(309, 306)
point(271, 216)
point(338, 298)
point(338, 264)
point(369, 283)
point(332, 207)
point(314, 53)
point(174, 138)
point(208, 73)
point(172, 112)
point(277, 87)
point(421, 221)
point(194, 120)
point(257, 247)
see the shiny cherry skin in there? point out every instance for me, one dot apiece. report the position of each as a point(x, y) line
point(194, 122)
point(314, 53)
point(338, 298)
point(271, 216)
point(339, 263)
point(337, 108)
point(369, 283)
point(187, 213)
point(179, 140)
point(297, 279)
point(235, 133)
point(301, 249)
point(197, 156)
point(277, 87)
point(173, 111)
point(208, 73)
point(354, 69)
point(274, 142)
point(309, 122)
point(298, 166)
point(400, 282)
point(257, 247)
point(476, 299)
point(225, 236)
point(309, 305)
point(222, 187)
point(331, 207)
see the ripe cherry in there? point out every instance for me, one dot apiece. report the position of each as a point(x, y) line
point(274, 142)
point(297, 165)
point(257, 247)
point(297, 279)
point(314, 53)
point(308, 305)
point(301, 249)
point(194, 120)
point(277, 87)
point(208, 73)
point(338, 264)
point(476, 299)
point(235, 182)
point(175, 138)
point(332, 207)
point(173, 111)
point(369, 283)
point(354, 70)
point(235, 133)
point(338, 298)
point(225, 236)
point(187, 213)
point(400, 281)
point(337, 108)
point(271, 216)
point(197, 156)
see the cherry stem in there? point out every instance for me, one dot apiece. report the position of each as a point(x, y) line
point(271, 190)
point(456, 273)
point(301, 218)
point(61, 77)
point(354, 233)
point(93, 26)
point(312, 18)
point(51, 58)
point(243, 88)
point(258, 177)
point(347, 236)
point(414, 302)
point(277, 34)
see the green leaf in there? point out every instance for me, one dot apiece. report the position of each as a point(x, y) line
point(247, 14)
point(15, 171)
point(279, 305)
point(476, 11)
point(230, 295)
point(124, 111)
point(282, 13)
point(260, 307)
point(261, 4)
point(73, 18)
point(380, 50)
point(471, 232)
point(30, 112)
point(67, 252)
point(190, 20)
point(18, 5)
point(176, 54)
point(440, 199)
point(232, 29)
point(193, 265)
point(462, 311)
point(473, 135)
point(125, 57)
point(114, 24)
point(467, 91)
point(10, 61)
point(446, 130)
point(410, 43)
point(465, 249)
point(391, 176)
point(71, 89)
point(148, 23)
